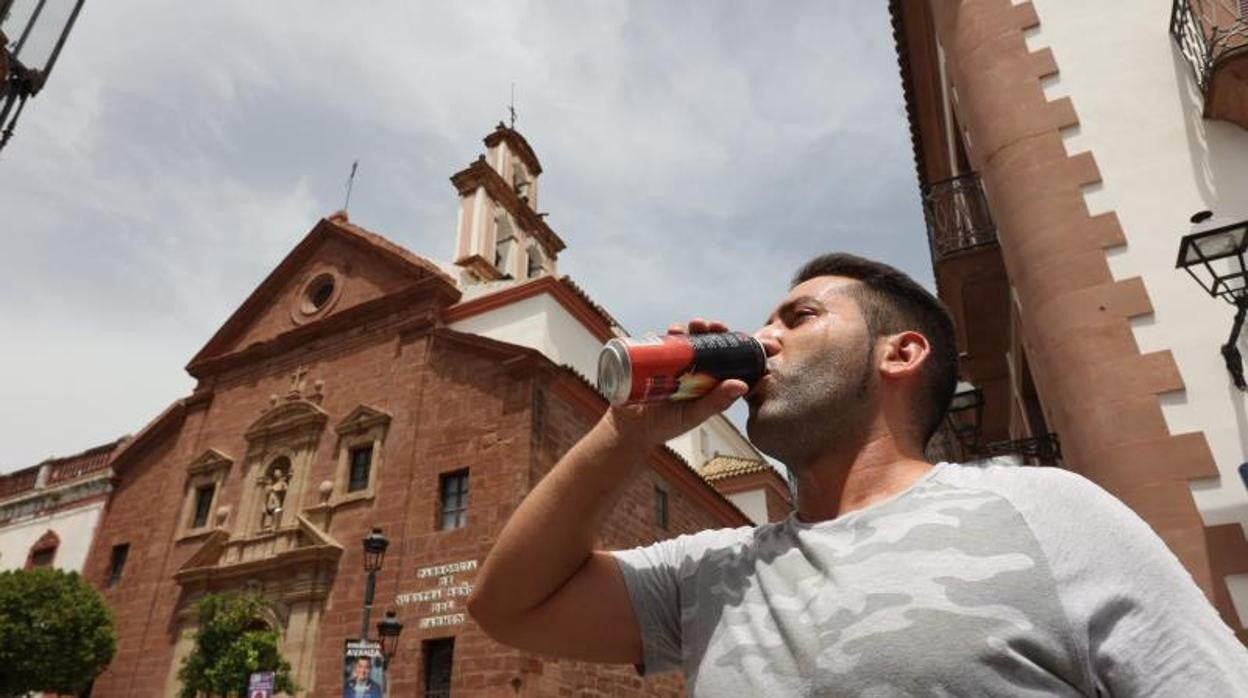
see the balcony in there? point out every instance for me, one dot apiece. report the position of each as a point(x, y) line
point(1041, 450)
point(957, 216)
point(1213, 36)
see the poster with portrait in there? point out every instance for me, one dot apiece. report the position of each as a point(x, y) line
point(363, 671)
point(260, 685)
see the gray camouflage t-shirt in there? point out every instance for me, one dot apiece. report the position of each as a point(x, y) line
point(999, 581)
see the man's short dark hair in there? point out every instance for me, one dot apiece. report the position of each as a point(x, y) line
point(892, 302)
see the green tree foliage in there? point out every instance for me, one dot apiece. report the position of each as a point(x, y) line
point(233, 642)
point(56, 634)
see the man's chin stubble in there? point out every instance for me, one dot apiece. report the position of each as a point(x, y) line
point(782, 439)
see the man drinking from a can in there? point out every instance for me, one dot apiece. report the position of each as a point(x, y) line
point(894, 576)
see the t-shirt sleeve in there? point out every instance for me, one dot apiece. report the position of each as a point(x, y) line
point(652, 576)
point(1149, 629)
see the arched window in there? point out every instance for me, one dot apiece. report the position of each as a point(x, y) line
point(535, 262)
point(506, 247)
point(520, 182)
point(43, 552)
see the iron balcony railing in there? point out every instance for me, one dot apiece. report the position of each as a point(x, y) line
point(1208, 31)
point(957, 216)
point(1046, 449)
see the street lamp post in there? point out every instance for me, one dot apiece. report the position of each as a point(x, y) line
point(32, 34)
point(375, 546)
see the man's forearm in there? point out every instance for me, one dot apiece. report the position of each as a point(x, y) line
point(552, 532)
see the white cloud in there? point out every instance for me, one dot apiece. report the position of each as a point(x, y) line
point(697, 151)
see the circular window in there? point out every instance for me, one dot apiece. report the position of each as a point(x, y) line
point(318, 293)
point(317, 297)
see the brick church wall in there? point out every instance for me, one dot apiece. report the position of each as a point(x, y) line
point(452, 406)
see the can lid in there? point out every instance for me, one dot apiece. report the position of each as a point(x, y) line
point(614, 375)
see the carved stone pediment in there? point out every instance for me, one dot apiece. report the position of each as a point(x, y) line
point(303, 551)
point(361, 419)
point(210, 461)
point(288, 417)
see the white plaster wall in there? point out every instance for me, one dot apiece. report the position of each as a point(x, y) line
point(723, 437)
point(75, 527)
point(522, 322)
point(1140, 115)
point(541, 323)
point(753, 504)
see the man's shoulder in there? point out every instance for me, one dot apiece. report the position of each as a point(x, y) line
point(690, 548)
point(1020, 481)
point(715, 537)
point(1054, 502)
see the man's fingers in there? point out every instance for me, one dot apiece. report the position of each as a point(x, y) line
point(719, 399)
point(697, 326)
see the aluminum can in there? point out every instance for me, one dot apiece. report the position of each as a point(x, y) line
point(677, 366)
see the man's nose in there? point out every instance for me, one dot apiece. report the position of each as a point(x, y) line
point(766, 337)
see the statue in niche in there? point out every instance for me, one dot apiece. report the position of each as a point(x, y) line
point(278, 482)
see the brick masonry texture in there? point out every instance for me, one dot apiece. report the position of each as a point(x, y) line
point(455, 402)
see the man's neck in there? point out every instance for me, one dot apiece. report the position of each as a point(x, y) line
point(838, 483)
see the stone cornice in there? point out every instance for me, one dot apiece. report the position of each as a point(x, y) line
point(45, 502)
point(415, 267)
point(288, 417)
point(205, 566)
point(209, 461)
point(434, 291)
point(361, 419)
point(480, 174)
point(151, 434)
point(518, 144)
point(287, 561)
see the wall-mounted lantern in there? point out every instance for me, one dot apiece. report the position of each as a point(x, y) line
point(1213, 253)
point(389, 629)
point(32, 33)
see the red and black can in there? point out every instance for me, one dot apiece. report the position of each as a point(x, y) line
point(677, 366)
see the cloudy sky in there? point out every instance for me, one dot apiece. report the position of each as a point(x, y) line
point(694, 154)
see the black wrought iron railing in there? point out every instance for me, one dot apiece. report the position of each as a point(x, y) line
point(1046, 449)
point(1207, 31)
point(945, 446)
point(957, 216)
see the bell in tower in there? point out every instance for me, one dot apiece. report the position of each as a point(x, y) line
point(499, 234)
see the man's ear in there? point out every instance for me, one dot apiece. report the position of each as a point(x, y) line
point(903, 354)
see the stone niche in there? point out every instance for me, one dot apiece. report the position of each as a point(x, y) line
point(273, 545)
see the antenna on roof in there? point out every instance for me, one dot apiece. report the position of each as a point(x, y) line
point(511, 108)
point(350, 181)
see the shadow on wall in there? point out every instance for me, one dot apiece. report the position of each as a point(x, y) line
point(1220, 169)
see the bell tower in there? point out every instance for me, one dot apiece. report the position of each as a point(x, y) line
point(499, 234)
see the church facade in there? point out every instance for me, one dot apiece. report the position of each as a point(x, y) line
point(362, 387)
